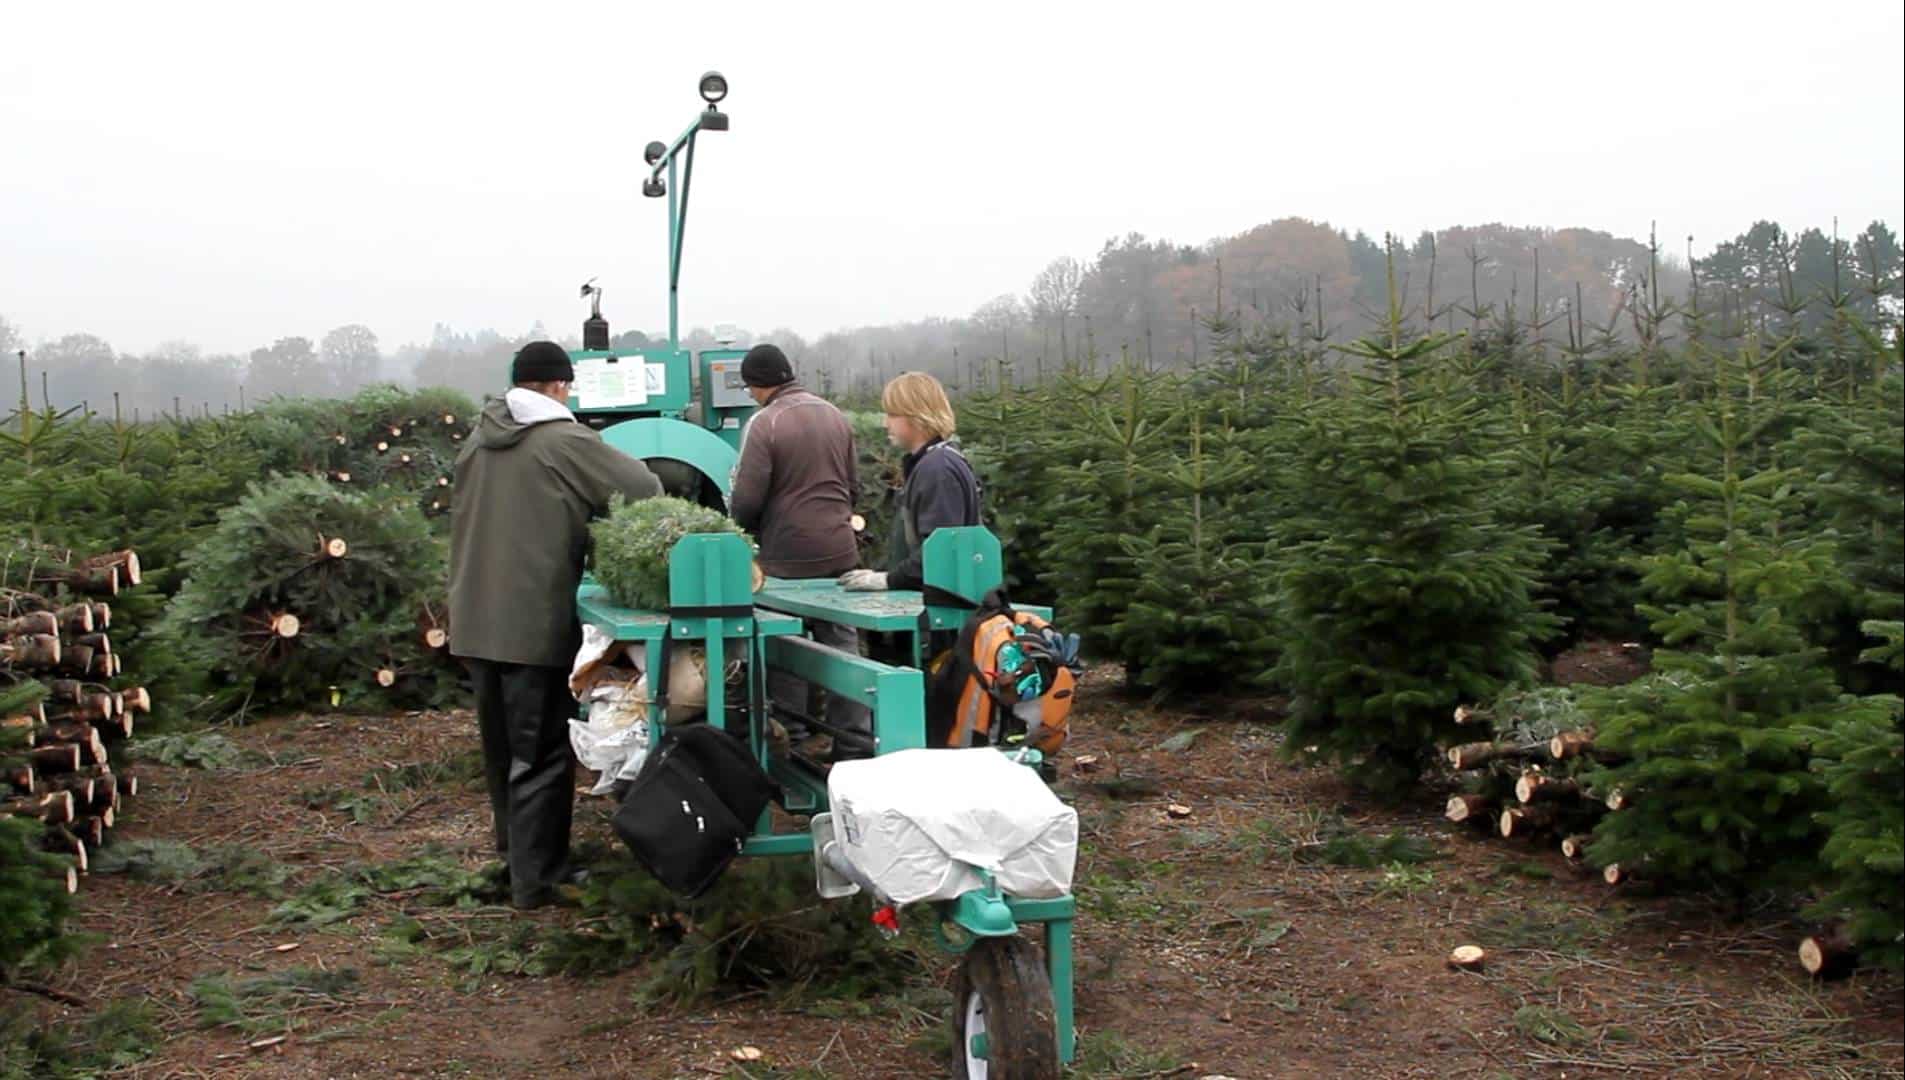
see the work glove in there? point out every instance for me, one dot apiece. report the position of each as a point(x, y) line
point(863, 581)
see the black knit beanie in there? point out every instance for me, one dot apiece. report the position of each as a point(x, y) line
point(766, 366)
point(541, 362)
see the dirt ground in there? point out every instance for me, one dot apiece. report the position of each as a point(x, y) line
point(1213, 944)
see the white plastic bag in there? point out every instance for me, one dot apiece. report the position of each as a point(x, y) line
point(614, 740)
point(919, 824)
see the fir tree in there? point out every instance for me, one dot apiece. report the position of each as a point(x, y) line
point(1855, 463)
point(33, 900)
point(1860, 759)
point(1714, 742)
point(1404, 593)
point(1125, 426)
point(877, 468)
point(1011, 437)
point(1196, 617)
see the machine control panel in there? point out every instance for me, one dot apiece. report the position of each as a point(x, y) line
point(723, 372)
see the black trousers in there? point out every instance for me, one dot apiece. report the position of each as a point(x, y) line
point(523, 715)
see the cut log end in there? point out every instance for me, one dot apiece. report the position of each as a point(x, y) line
point(436, 637)
point(32, 651)
point(128, 786)
point(1616, 799)
point(1466, 808)
point(54, 807)
point(102, 615)
point(1510, 823)
point(72, 881)
point(1534, 787)
point(1570, 744)
point(341, 477)
point(1522, 821)
point(61, 840)
point(139, 700)
point(386, 678)
point(1613, 874)
point(448, 419)
point(1828, 956)
point(336, 548)
point(63, 758)
point(759, 577)
point(285, 625)
point(42, 623)
point(1468, 958)
point(1477, 754)
point(1575, 847)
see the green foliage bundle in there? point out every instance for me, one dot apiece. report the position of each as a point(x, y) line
point(117, 1037)
point(384, 437)
point(358, 613)
point(759, 928)
point(632, 545)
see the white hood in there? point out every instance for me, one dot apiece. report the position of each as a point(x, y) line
point(529, 407)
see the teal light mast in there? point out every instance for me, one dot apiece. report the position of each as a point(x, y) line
point(714, 87)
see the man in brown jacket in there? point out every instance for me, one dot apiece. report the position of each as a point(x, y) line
point(793, 488)
point(527, 483)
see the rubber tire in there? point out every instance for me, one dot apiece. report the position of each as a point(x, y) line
point(1021, 1021)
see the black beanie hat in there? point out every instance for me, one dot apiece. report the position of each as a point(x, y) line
point(541, 362)
point(766, 366)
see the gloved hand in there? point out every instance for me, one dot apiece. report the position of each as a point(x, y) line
point(863, 581)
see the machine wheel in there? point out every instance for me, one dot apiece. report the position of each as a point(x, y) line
point(1003, 994)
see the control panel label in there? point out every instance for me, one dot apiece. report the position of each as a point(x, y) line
point(601, 384)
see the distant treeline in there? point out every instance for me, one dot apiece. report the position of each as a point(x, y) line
point(1150, 300)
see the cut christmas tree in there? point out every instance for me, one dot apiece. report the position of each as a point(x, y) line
point(632, 545)
point(272, 617)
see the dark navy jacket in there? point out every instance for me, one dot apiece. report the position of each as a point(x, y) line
point(939, 491)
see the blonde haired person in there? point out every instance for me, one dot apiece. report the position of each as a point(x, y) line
point(939, 490)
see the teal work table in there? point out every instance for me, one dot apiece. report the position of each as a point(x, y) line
point(894, 611)
point(594, 607)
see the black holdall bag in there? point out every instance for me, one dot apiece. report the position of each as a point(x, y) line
point(687, 813)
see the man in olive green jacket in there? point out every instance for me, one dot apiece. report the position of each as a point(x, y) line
point(527, 483)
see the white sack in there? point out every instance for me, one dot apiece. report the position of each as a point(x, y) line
point(916, 823)
point(614, 740)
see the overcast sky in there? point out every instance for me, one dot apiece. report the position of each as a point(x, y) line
point(234, 173)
